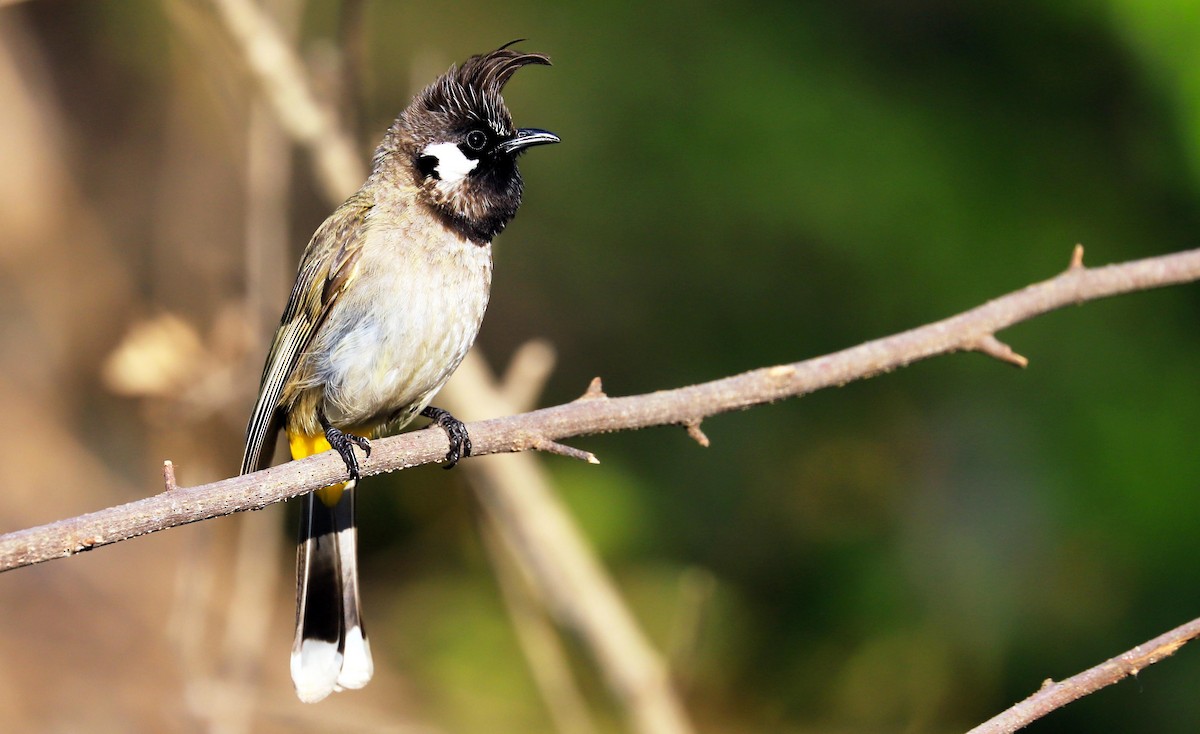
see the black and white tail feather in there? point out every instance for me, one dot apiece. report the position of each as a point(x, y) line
point(330, 652)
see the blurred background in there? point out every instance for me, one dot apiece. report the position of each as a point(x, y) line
point(739, 185)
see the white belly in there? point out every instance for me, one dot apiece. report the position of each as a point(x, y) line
point(399, 332)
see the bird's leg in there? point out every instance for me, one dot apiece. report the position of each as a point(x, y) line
point(456, 433)
point(344, 443)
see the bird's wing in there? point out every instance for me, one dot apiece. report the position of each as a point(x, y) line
point(327, 268)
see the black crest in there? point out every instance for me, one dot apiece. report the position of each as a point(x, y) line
point(471, 93)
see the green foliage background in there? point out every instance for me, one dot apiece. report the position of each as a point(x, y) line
point(744, 184)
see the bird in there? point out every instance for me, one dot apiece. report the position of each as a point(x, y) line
point(389, 296)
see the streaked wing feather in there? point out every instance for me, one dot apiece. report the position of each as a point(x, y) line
point(331, 256)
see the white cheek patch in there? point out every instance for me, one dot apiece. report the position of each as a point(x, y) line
point(452, 166)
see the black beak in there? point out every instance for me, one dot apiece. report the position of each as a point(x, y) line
point(527, 137)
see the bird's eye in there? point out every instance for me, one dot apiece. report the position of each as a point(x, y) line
point(477, 140)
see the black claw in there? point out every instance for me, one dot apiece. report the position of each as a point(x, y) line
point(456, 433)
point(360, 442)
point(344, 444)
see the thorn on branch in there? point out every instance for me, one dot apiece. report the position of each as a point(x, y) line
point(693, 430)
point(554, 447)
point(169, 476)
point(993, 347)
point(594, 391)
point(1076, 258)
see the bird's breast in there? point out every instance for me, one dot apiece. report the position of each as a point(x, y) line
point(402, 327)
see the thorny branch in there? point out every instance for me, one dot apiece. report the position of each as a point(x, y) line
point(1053, 695)
point(595, 412)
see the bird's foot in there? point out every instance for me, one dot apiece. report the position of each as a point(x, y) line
point(344, 443)
point(456, 433)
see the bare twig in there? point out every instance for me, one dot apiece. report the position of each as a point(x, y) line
point(169, 475)
point(595, 389)
point(696, 433)
point(993, 347)
point(1053, 695)
point(554, 447)
point(597, 413)
point(1076, 258)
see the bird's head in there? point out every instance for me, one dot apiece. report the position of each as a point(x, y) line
point(459, 139)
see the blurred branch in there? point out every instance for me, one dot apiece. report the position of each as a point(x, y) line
point(528, 370)
point(519, 501)
point(595, 412)
point(352, 43)
point(281, 77)
point(224, 687)
point(1053, 695)
point(543, 650)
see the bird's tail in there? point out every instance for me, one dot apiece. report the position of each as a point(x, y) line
point(330, 651)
